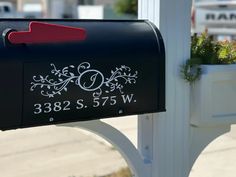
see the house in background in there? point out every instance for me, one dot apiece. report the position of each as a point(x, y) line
point(31, 8)
point(64, 8)
point(60, 8)
point(12, 1)
point(47, 8)
point(108, 8)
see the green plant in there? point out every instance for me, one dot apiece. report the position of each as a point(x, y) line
point(127, 7)
point(124, 172)
point(227, 52)
point(206, 51)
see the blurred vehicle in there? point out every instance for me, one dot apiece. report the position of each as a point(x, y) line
point(7, 10)
point(218, 17)
point(32, 10)
point(90, 12)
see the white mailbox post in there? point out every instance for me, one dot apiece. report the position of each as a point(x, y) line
point(174, 143)
point(168, 144)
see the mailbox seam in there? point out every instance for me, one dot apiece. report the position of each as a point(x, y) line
point(161, 75)
point(23, 93)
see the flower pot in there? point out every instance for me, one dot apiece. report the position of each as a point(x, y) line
point(213, 97)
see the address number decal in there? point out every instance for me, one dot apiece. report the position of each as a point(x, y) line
point(61, 91)
point(64, 106)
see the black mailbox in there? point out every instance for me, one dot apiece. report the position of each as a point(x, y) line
point(57, 71)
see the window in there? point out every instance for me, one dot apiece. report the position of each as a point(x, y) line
point(6, 9)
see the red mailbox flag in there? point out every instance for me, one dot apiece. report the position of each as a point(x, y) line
point(47, 33)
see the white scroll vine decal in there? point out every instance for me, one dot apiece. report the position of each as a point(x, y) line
point(87, 79)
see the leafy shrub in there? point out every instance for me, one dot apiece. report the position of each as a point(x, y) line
point(124, 172)
point(204, 50)
point(227, 52)
point(127, 7)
